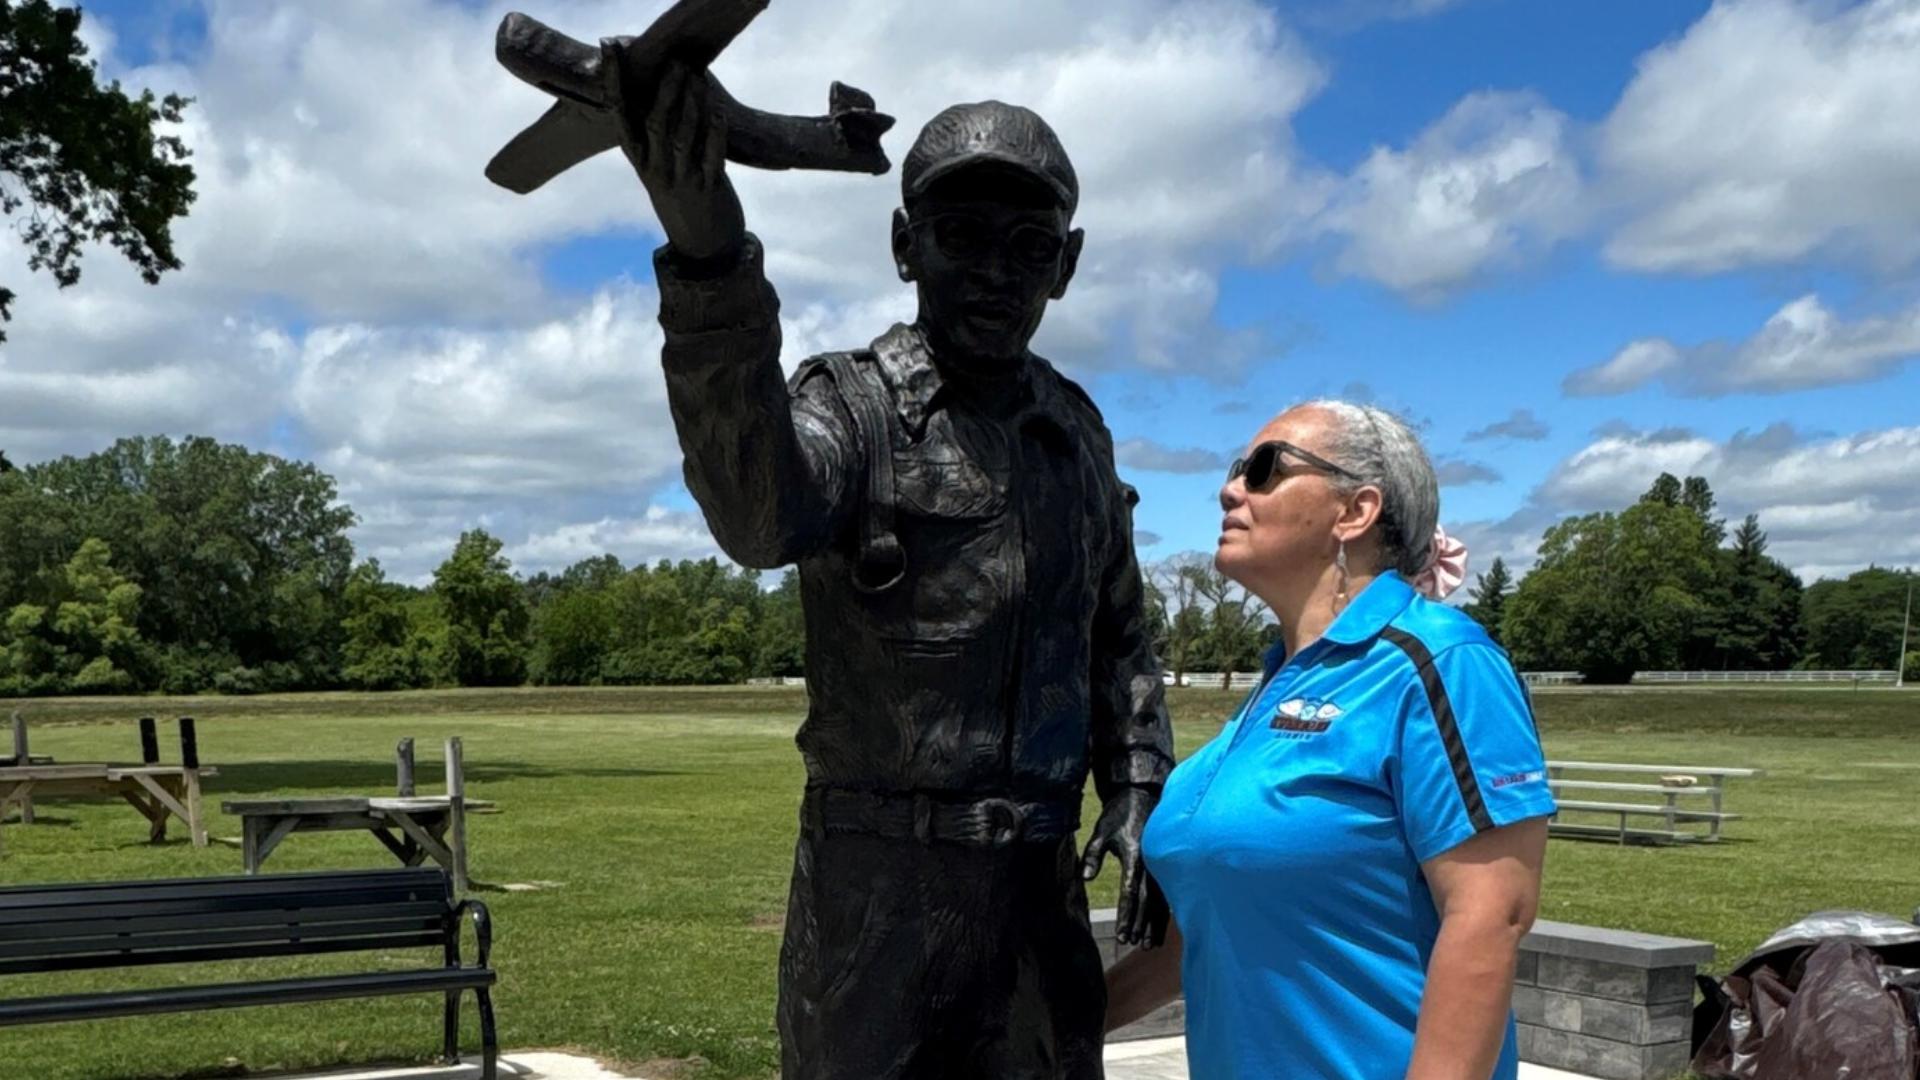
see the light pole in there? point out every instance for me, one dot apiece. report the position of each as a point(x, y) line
point(1900, 662)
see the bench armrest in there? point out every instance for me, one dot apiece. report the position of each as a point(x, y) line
point(482, 929)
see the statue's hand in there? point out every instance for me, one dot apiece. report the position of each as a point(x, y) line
point(1118, 832)
point(675, 135)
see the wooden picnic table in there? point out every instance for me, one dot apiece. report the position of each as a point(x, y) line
point(414, 828)
point(157, 791)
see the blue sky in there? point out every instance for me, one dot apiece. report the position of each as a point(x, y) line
point(1641, 235)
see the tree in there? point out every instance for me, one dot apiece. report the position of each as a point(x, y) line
point(1231, 621)
point(386, 647)
point(5, 465)
point(85, 157)
point(1761, 627)
point(1489, 595)
point(1175, 581)
point(781, 638)
point(243, 556)
point(1612, 593)
point(485, 611)
point(87, 642)
point(1854, 624)
point(572, 636)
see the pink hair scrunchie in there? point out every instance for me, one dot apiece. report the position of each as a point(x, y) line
point(1446, 567)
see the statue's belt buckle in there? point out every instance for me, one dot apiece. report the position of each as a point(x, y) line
point(1004, 820)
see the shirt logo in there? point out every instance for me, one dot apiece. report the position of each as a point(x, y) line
point(1299, 718)
point(1517, 778)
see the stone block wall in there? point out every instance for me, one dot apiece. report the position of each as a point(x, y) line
point(1608, 1003)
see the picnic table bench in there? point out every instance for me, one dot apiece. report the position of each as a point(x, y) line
point(415, 828)
point(1672, 783)
point(158, 791)
point(194, 921)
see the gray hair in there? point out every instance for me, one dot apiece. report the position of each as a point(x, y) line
point(1383, 451)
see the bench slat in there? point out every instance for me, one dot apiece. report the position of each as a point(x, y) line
point(240, 889)
point(314, 916)
point(1616, 766)
point(129, 904)
point(1615, 785)
point(160, 948)
point(1679, 813)
point(218, 952)
point(235, 995)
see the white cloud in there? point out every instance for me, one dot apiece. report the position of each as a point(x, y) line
point(1149, 456)
point(1489, 184)
point(355, 291)
point(1771, 131)
point(1802, 345)
point(1830, 505)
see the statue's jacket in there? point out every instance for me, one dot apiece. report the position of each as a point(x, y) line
point(975, 617)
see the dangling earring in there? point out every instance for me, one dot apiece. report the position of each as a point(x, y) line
point(1340, 564)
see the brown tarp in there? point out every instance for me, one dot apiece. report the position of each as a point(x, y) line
point(1836, 996)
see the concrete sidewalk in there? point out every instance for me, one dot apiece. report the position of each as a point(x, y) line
point(1145, 1059)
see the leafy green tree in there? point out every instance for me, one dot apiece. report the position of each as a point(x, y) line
point(572, 637)
point(5, 465)
point(1489, 597)
point(1613, 593)
point(386, 648)
point(1854, 624)
point(242, 556)
point(88, 642)
point(780, 645)
point(86, 157)
point(485, 611)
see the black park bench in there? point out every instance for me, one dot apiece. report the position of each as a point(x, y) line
point(108, 925)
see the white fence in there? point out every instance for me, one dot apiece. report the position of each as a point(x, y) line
point(1763, 676)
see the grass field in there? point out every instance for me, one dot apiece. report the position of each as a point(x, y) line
point(657, 827)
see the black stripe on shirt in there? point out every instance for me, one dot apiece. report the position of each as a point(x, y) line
point(1443, 718)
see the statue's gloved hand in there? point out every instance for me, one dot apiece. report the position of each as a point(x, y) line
point(1118, 833)
point(675, 135)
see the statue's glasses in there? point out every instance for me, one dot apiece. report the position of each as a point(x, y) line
point(1264, 467)
point(963, 236)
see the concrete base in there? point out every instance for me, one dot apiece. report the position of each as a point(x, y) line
point(1139, 1059)
point(531, 1066)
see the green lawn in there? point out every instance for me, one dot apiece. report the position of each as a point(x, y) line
point(658, 826)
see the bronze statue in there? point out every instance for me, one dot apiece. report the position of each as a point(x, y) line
point(976, 634)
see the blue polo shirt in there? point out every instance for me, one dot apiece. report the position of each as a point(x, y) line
point(1290, 846)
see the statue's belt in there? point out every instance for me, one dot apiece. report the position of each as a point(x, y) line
point(991, 822)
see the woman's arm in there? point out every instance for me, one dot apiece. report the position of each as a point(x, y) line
point(1487, 891)
point(1143, 980)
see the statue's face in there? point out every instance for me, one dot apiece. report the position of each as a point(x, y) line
point(986, 250)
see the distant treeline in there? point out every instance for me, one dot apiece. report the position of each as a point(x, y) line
point(193, 566)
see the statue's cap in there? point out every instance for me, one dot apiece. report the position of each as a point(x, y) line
point(989, 132)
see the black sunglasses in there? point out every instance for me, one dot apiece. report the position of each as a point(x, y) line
point(1262, 466)
point(963, 236)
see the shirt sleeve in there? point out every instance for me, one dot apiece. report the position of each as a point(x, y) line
point(1469, 756)
point(771, 464)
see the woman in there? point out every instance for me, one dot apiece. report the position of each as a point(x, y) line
point(1352, 862)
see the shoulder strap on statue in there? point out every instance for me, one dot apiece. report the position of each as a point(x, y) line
point(881, 562)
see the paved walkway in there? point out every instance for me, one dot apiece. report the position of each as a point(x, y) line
point(1146, 1059)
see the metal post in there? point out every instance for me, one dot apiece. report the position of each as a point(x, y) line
point(1900, 661)
point(189, 744)
point(149, 742)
